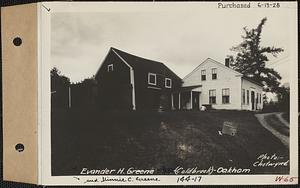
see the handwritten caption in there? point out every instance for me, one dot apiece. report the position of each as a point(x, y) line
point(241, 5)
point(177, 171)
point(273, 160)
point(119, 179)
point(285, 179)
point(189, 179)
point(192, 175)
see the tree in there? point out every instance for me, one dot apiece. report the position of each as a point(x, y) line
point(58, 80)
point(284, 98)
point(265, 101)
point(59, 89)
point(251, 58)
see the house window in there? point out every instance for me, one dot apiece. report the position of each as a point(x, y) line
point(152, 79)
point(214, 74)
point(168, 83)
point(203, 75)
point(212, 96)
point(225, 96)
point(244, 96)
point(260, 98)
point(247, 96)
point(110, 68)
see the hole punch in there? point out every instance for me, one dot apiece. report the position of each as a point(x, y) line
point(20, 147)
point(17, 41)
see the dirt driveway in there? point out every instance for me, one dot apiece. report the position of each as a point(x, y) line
point(278, 126)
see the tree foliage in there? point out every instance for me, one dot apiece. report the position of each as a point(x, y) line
point(251, 58)
point(284, 98)
point(59, 89)
point(58, 80)
point(75, 95)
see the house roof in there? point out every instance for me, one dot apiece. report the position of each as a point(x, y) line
point(213, 61)
point(139, 63)
point(228, 68)
point(253, 81)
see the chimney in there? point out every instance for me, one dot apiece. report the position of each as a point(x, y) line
point(227, 62)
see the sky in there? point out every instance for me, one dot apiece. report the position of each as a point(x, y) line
point(180, 39)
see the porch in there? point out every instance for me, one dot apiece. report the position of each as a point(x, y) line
point(187, 98)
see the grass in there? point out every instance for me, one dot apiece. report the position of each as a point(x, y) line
point(286, 116)
point(277, 125)
point(161, 141)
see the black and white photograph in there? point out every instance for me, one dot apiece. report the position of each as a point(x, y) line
point(179, 89)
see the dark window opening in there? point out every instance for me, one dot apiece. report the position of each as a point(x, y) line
point(225, 96)
point(168, 83)
point(244, 97)
point(110, 68)
point(247, 96)
point(203, 75)
point(152, 79)
point(214, 73)
point(260, 98)
point(212, 96)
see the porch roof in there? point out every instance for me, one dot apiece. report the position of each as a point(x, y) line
point(190, 88)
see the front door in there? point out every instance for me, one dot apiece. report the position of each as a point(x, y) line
point(252, 100)
point(195, 96)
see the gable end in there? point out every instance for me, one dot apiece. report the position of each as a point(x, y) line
point(212, 61)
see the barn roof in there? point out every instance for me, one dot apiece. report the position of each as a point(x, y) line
point(139, 63)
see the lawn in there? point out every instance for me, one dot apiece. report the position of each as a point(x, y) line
point(286, 116)
point(273, 120)
point(160, 141)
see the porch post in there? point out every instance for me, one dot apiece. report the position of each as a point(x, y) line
point(172, 100)
point(199, 101)
point(179, 101)
point(191, 100)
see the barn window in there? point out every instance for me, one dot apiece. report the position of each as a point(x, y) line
point(212, 96)
point(247, 96)
point(214, 74)
point(110, 68)
point(244, 96)
point(225, 96)
point(168, 83)
point(203, 75)
point(151, 78)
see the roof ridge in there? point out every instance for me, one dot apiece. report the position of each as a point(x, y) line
point(123, 54)
point(214, 61)
point(136, 55)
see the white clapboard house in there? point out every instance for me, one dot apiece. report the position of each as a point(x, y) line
point(220, 87)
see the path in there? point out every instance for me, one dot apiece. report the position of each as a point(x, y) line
point(283, 138)
point(279, 116)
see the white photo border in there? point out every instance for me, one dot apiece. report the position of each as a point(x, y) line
point(44, 121)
